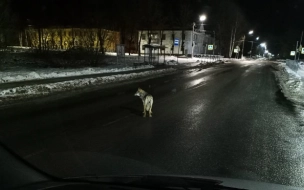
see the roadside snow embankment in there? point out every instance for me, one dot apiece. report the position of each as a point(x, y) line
point(43, 89)
point(25, 75)
point(290, 82)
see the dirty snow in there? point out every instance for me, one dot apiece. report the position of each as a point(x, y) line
point(43, 89)
point(14, 73)
point(291, 82)
point(24, 75)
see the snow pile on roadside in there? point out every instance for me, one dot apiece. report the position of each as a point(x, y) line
point(43, 89)
point(171, 62)
point(290, 83)
point(24, 75)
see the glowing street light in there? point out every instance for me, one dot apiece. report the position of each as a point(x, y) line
point(250, 32)
point(257, 38)
point(203, 18)
point(263, 45)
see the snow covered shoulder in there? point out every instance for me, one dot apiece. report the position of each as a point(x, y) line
point(37, 74)
point(43, 89)
point(290, 76)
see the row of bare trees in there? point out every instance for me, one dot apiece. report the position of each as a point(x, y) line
point(8, 22)
point(65, 38)
point(230, 25)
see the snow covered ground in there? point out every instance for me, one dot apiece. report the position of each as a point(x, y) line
point(15, 67)
point(34, 74)
point(291, 82)
point(22, 67)
point(43, 89)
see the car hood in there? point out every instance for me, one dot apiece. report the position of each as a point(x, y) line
point(226, 182)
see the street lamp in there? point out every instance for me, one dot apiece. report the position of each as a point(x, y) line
point(202, 18)
point(250, 33)
point(264, 46)
point(257, 38)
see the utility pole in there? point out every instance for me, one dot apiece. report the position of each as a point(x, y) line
point(192, 39)
point(251, 49)
point(300, 46)
point(243, 47)
point(213, 41)
point(296, 51)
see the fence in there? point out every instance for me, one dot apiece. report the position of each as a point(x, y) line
point(124, 60)
point(208, 57)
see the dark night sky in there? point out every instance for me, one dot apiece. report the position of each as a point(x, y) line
point(274, 17)
point(273, 20)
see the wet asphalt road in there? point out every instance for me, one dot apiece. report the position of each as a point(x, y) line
point(228, 121)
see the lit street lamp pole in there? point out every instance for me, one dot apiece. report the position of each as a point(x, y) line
point(213, 41)
point(192, 39)
point(243, 46)
point(252, 46)
point(250, 33)
point(264, 46)
point(202, 19)
point(295, 58)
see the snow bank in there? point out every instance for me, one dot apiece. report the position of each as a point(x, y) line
point(24, 75)
point(290, 82)
point(43, 89)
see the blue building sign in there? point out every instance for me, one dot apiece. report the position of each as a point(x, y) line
point(176, 42)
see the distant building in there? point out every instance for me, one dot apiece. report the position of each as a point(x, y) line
point(177, 42)
point(65, 38)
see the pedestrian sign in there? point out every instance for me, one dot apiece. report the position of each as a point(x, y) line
point(300, 48)
point(236, 51)
point(176, 42)
point(210, 47)
point(302, 51)
point(293, 53)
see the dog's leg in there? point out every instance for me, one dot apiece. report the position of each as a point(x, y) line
point(150, 110)
point(144, 110)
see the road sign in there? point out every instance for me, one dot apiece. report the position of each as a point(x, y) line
point(176, 42)
point(302, 51)
point(300, 48)
point(236, 51)
point(210, 47)
point(293, 53)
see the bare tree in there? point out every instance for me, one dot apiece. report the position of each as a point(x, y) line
point(149, 16)
point(7, 20)
point(231, 25)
